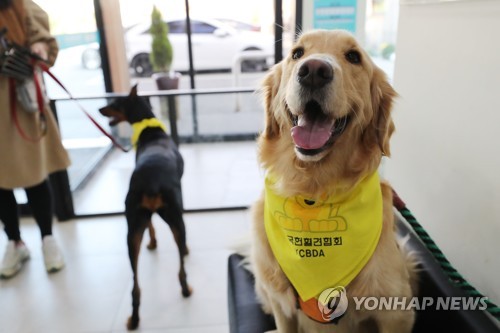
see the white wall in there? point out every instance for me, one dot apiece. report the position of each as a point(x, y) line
point(446, 153)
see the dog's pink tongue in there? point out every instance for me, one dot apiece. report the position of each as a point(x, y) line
point(311, 135)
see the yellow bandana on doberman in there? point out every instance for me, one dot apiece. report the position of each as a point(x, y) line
point(324, 242)
point(139, 126)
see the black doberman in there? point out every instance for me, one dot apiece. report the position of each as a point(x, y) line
point(155, 185)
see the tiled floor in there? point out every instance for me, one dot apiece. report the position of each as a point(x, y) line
point(92, 293)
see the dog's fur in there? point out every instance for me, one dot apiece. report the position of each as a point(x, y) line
point(358, 89)
point(155, 186)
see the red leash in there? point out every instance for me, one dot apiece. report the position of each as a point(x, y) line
point(35, 61)
point(45, 68)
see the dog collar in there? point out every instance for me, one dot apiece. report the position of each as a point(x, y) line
point(139, 126)
point(324, 242)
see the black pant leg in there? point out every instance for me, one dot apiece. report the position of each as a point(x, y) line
point(41, 204)
point(9, 214)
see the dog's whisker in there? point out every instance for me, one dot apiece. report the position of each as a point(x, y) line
point(355, 106)
point(356, 115)
point(279, 26)
point(298, 32)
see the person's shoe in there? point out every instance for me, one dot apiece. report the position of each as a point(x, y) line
point(52, 256)
point(13, 259)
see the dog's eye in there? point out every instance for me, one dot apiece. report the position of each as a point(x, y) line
point(297, 53)
point(354, 57)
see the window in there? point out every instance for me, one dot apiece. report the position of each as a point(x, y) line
point(198, 27)
point(381, 28)
point(177, 27)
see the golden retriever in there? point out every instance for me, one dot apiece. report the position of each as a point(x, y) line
point(328, 124)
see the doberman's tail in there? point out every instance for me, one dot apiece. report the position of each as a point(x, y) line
point(152, 202)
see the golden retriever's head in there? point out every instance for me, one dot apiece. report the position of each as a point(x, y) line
point(327, 114)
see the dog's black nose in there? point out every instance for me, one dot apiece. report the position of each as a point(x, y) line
point(315, 73)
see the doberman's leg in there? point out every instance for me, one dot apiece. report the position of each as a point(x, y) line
point(152, 236)
point(137, 220)
point(173, 217)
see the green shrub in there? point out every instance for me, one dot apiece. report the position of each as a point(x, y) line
point(161, 50)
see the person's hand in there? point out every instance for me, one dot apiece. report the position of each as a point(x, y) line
point(41, 49)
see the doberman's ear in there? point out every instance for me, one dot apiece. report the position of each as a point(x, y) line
point(133, 91)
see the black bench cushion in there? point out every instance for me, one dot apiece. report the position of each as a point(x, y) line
point(246, 315)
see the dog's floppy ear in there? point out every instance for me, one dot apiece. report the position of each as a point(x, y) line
point(382, 98)
point(133, 91)
point(269, 90)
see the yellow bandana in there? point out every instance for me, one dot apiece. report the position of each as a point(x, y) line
point(324, 243)
point(138, 127)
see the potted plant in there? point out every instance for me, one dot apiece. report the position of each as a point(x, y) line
point(161, 53)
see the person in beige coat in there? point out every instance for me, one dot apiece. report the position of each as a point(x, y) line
point(28, 153)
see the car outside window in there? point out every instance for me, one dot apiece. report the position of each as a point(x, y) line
point(198, 27)
point(177, 27)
